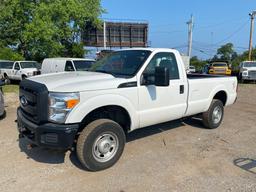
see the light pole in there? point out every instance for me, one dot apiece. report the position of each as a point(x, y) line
point(252, 15)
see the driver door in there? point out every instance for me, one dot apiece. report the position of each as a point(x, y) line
point(161, 104)
point(16, 72)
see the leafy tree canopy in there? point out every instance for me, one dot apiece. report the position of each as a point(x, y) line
point(46, 28)
point(226, 52)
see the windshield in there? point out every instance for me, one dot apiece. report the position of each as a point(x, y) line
point(191, 67)
point(219, 64)
point(25, 65)
point(250, 64)
point(124, 63)
point(82, 65)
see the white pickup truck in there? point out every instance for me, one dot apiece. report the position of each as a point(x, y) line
point(91, 112)
point(18, 70)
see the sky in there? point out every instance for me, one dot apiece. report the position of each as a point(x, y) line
point(216, 22)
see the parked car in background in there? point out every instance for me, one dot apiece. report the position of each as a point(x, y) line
point(219, 68)
point(92, 111)
point(2, 110)
point(18, 70)
point(192, 69)
point(247, 70)
point(4, 64)
point(56, 65)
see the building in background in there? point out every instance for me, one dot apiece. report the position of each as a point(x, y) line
point(117, 34)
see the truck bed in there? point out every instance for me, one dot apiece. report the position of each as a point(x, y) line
point(203, 87)
point(202, 76)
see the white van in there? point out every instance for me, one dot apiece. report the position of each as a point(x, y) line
point(56, 65)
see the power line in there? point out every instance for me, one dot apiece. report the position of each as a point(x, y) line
point(201, 51)
point(234, 33)
point(204, 44)
point(219, 24)
point(167, 32)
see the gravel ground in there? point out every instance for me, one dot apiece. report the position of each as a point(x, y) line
point(175, 156)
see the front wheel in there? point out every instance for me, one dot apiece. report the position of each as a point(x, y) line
point(6, 79)
point(100, 144)
point(213, 117)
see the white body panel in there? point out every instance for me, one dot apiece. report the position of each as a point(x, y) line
point(146, 105)
point(57, 65)
point(202, 91)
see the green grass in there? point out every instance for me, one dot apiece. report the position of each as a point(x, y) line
point(11, 88)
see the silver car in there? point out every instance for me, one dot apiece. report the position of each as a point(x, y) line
point(2, 111)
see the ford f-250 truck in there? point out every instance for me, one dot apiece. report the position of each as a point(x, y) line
point(91, 112)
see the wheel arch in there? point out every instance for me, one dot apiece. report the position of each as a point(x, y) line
point(222, 96)
point(113, 112)
point(105, 104)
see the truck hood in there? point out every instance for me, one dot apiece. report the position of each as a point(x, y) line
point(78, 81)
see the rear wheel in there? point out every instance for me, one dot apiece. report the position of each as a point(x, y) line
point(213, 117)
point(100, 144)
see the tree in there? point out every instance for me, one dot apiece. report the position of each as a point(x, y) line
point(46, 28)
point(197, 62)
point(9, 54)
point(226, 52)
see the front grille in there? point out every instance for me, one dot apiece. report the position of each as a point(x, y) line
point(220, 70)
point(252, 74)
point(36, 72)
point(36, 96)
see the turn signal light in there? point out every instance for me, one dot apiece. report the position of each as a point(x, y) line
point(72, 103)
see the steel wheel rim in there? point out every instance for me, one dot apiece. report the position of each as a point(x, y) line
point(105, 147)
point(217, 114)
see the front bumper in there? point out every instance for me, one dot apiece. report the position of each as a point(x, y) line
point(48, 135)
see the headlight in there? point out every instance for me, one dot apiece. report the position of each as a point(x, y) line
point(30, 74)
point(244, 69)
point(60, 104)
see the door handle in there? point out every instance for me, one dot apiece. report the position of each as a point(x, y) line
point(181, 89)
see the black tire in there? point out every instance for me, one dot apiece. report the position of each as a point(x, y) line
point(210, 120)
point(23, 77)
point(3, 115)
point(7, 80)
point(87, 147)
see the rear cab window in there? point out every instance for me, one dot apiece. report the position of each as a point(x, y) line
point(17, 66)
point(69, 66)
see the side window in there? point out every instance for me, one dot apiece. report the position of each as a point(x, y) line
point(17, 66)
point(163, 59)
point(69, 66)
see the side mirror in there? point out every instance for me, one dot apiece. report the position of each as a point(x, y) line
point(162, 78)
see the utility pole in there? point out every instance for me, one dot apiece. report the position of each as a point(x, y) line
point(190, 35)
point(252, 15)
